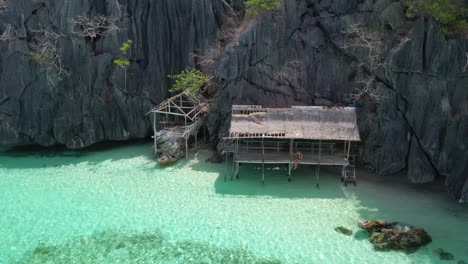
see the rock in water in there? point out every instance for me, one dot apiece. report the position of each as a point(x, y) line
point(344, 230)
point(171, 146)
point(374, 225)
point(444, 255)
point(215, 158)
point(386, 235)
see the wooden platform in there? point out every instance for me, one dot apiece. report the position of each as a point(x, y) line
point(337, 159)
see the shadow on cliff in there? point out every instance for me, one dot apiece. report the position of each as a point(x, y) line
point(40, 157)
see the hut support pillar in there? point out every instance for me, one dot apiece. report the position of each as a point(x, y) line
point(154, 135)
point(290, 165)
point(186, 140)
point(318, 167)
point(225, 166)
point(263, 162)
point(349, 148)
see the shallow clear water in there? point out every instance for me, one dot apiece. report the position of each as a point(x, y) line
point(116, 205)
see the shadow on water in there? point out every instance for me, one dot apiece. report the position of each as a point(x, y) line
point(302, 185)
point(140, 247)
point(40, 157)
point(427, 206)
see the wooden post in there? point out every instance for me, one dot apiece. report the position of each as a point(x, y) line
point(263, 163)
point(318, 167)
point(225, 166)
point(349, 148)
point(290, 158)
point(154, 135)
point(186, 139)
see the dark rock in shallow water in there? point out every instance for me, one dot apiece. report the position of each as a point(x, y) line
point(444, 255)
point(375, 225)
point(215, 158)
point(344, 230)
point(386, 235)
point(171, 146)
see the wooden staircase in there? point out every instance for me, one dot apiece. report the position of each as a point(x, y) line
point(348, 174)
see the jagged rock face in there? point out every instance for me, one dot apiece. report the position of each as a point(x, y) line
point(420, 122)
point(91, 104)
point(290, 57)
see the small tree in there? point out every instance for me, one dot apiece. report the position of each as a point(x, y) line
point(255, 7)
point(189, 81)
point(124, 61)
point(451, 14)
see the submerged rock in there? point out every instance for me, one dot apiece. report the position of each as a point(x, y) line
point(343, 230)
point(444, 255)
point(386, 235)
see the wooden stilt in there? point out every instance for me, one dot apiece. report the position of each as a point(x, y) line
point(225, 166)
point(154, 135)
point(186, 140)
point(263, 162)
point(237, 164)
point(318, 167)
point(292, 159)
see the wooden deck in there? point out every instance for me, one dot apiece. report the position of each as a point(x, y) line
point(337, 159)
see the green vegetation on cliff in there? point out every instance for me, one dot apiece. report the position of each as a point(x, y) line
point(255, 7)
point(451, 14)
point(189, 80)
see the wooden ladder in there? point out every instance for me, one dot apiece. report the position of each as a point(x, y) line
point(349, 172)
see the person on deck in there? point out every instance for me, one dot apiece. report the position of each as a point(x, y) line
point(299, 158)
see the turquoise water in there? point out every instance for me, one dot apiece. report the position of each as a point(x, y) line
point(115, 205)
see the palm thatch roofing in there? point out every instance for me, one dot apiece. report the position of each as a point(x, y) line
point(295, 122)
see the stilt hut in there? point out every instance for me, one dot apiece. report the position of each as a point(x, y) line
point(183, 113)
point(309, 135)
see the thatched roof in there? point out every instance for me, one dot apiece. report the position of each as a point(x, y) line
point(296, 122)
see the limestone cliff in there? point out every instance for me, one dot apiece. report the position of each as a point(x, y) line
point(290, 56)
point(90, 103)
point(420, 122)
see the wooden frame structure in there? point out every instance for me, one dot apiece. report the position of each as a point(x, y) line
point(261, 135)
point(183, 113)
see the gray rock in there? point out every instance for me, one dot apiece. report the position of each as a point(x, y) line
point(90, 105)
point(393, 15)
point(419, 168)
point(171, 144)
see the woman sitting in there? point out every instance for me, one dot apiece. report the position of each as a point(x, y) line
point(299, 158)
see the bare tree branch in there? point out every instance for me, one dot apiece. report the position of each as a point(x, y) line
point(9, 34)
point(4, 4)
point(364, 83)
point(93, 27)
point(364, 86)
point(360, 36)
point(46, 51)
